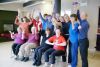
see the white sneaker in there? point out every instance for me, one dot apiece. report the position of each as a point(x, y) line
point(69, 65)
point(52, 65)
point(46, 64)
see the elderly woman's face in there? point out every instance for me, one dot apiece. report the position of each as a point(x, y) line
point(83, 15)
point(58, 32)
point(33, 29)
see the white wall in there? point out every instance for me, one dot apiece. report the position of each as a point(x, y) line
point(43, 7)
point(92, 11)
point(11, 6)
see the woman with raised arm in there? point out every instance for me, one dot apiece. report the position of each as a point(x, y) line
point(18, 41)
point(83, 37)
point(73, 37)
point(24, 25)
point(32, 42)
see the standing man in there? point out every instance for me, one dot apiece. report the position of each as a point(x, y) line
point(83, 37)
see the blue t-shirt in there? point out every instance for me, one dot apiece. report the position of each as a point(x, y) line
point(73, 33)
point(45, 23)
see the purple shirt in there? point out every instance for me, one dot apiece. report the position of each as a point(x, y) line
point(33, 38)
point(18, 39)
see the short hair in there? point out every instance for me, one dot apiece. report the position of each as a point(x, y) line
point(48, 29)
point(75, 16)
point(45, 15)
point(59, 27)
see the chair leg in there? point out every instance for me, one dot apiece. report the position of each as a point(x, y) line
point(64, 58)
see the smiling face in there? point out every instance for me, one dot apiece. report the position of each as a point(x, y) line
point(83, 15)
point(73, 18)
point(47, 32)
point(24, 19)
point(33, 30)
point(58, 32)
point(66, 18)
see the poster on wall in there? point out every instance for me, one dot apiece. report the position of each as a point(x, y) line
point(8, 27)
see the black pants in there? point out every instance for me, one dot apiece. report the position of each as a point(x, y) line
point(52, 53)
point(69, 53)
point(15, 48)
point(84, 44)
point(38, 53)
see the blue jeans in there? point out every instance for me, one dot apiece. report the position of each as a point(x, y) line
point(74, 53)
point(15, 48)
point(52, 53)
point(38, 53)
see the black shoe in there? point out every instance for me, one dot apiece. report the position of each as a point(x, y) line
point(22, 59)
point(26, 59)
point(17, 58)
point(38, 63)
point(34, 63)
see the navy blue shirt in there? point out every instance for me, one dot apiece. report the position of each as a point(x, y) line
point(73, 33)
point(83, 32)
point(65, 27)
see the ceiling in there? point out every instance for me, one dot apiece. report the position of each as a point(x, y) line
point(13, 5)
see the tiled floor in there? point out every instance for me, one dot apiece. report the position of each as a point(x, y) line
point(7, 61)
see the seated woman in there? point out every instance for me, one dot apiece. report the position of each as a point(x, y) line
point(32, 42)
point(58, 49)
point(42, 48)
point(18, 41)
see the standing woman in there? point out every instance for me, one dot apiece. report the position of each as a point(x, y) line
point(73, 37)
point(83, 37)
point(66, 26)
point(24, 25)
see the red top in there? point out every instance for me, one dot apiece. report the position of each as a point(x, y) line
point(59, 40)
point(24, 26)
point(36, 24)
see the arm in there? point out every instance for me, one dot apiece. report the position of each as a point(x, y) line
point(30, 23)
point(78, 15)
point(47, 42)
point(12, 35)
point(85, 26)
point(39, 26)
point(56, 23)
point(62, 44)
point(75, 27)
point(42, 19)
point(17, 21)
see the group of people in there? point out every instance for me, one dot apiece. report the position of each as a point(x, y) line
point(50, 36)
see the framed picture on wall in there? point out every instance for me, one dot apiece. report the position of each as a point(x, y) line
point(8, 27)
